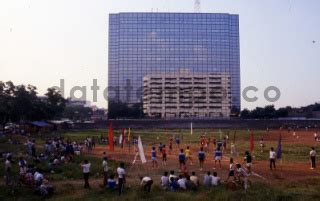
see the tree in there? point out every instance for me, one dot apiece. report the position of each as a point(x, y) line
point(55, 103)
point(77, 113)
point(245, 114)
point(6, 102)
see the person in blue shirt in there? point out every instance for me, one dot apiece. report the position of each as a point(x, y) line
point(173, 184)
point(111, 183)
point(217, 157)
point(154, 157)
point(182, 159)
point(201, 156)
point(207, 179)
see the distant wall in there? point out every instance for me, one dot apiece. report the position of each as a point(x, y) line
point(180, 124)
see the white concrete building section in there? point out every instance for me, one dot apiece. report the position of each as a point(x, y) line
point(187, 94)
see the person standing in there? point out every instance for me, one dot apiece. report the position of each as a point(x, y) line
point(86, 173)
point(272, 158)
point(241, 173)
point(201, 156)
point(182, 159)
point(154, 157)
point(121, 177)
point(105, 168)
point(232, 168)
point(313, 154)
point(248, 160)
point(164, 155)
point(218, 157)
point(8, 167)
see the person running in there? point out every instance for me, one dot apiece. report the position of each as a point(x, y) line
point(121, 177)
point(182, 159)
point(313, 154)
point(272, 158)
point(105, 169)
point(248, 160)
point(146, 182)
point(188, 155)
point(232, 168)
point(217, 157)
point(201, 156)
point(241, 173)
point(86, 172)
point(154, 157)
point(164, 155)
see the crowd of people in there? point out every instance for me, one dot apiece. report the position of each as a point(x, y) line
point(59, 151)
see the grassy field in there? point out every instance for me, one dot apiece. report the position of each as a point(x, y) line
point(67, 179)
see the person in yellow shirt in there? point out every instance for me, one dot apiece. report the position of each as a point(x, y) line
point(188, 155)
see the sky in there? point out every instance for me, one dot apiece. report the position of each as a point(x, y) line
point(43, 41)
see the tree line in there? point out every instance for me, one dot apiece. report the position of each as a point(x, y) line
point(20, 103)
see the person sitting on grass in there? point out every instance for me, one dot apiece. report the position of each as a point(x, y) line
point(215, 180)
point(111, 183)
point(182, 183)
point(172, 175)
point(46, 189)
point(146, 182)
point(190, 184)
point(38, 177)
point(207, 179)
point(174, 186)
point(164, 182)
point(194, 179)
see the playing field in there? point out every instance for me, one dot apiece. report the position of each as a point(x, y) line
point(292, 180)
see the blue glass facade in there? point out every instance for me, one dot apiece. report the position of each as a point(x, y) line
point(150, 43)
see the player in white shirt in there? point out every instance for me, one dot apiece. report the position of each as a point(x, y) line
point(272, 158)
point(215, 180)
point(105, 168)
point(313, 154)
point(121, 177)
point(146, 182)
point(182, 183)
point(241, 173)
point(164, 181)
point(86, 172)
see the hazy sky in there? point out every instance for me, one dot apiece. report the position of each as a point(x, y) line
point(43, 41)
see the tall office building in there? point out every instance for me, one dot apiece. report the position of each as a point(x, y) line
point(143, 44)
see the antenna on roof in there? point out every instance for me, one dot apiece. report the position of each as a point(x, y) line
point(197, 6)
